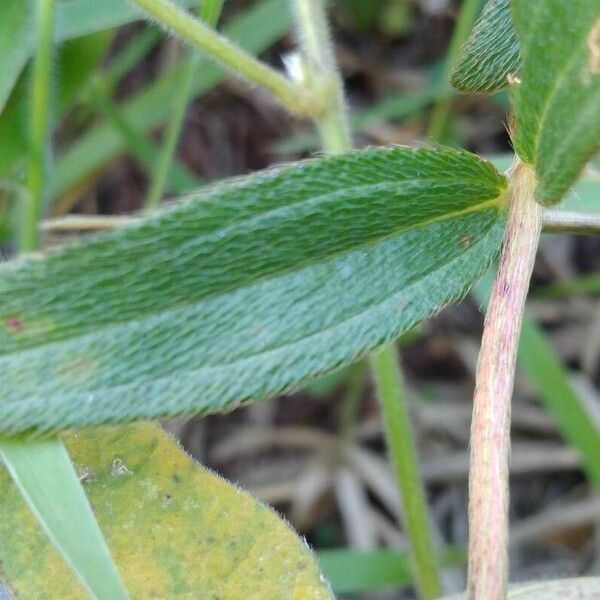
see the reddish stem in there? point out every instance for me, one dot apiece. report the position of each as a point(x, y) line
point(490, 428)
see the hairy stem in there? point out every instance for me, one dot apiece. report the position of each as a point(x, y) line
point(209, 12)
point(396, 420)
point(560, 221)
point(39, 123)
point(332, 121)
point(291, 95)
point(490, 428)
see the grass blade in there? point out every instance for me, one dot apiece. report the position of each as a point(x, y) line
point(402, 452)
point(45, 476)
point(80, 17)
point(209, 12)
point(351, 572)
point(16, 24)
point(469, 9)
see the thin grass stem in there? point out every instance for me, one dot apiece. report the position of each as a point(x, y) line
point(209, 12)
point(39, 118)
point(392, 399)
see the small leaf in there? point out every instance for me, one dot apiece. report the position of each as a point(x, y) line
point(491, 55)
point(176, 530)
point(248, 289)
point(45, 476)
point(557, 105)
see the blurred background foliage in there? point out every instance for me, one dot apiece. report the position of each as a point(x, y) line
point(318, 455)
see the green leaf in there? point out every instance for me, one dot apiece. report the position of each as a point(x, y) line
point(249, 288)
point(557, 105)
point(77, 59)
point(176, 530)
point(73, 19)
point(491, 54)
point(81, 17)
point(16, 26)
point(351, 571)
point(42, 471)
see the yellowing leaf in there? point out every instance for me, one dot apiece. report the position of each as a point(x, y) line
point(175, 529)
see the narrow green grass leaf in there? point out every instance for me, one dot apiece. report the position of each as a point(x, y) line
point(43, 472)
point(76, 61)
point(180, 178)
point(491, 54)
point(351, 572)
point(16, 43)
point(440, 115)
point(557, 105)
point(254, 30)
point(175, 529)
point(73, 19)
point(389, 384)
point(81, 17)
point(249, 288)
point(209, 11)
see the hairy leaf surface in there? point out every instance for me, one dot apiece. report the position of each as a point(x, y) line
point(491, 55)
point(557, 105)
point(175, 530)
point(248, 288)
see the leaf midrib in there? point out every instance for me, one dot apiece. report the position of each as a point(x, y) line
point(278, 347)
point(496, 202)
point(385, 185)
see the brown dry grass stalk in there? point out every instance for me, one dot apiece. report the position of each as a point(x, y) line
point(490, 428)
